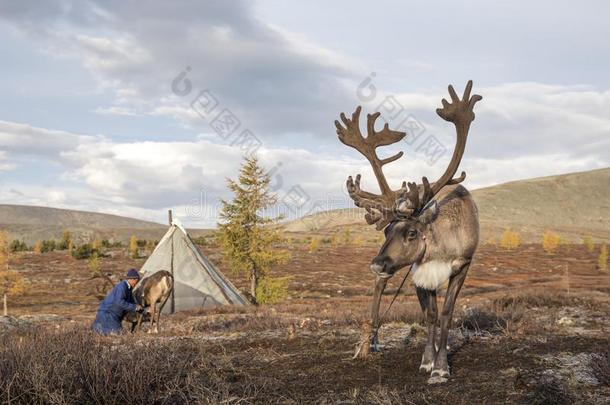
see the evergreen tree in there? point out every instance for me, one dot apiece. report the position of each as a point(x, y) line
point(246, 235)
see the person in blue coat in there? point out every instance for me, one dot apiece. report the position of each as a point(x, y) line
point(116, 305)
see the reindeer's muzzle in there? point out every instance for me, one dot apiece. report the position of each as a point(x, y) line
point(380, 268)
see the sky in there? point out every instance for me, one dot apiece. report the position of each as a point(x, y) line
point(134, 108)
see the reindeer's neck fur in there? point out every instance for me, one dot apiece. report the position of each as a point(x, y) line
point(431, 275)
point(451, 239)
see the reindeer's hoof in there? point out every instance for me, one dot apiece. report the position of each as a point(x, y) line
point(435, 379)
point(440, 373)
point(427, 362)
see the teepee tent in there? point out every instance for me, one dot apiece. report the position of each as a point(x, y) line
point(197, 283)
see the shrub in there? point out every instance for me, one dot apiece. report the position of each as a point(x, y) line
point(550, 241)
point(110, 244)
point(602, 260)
point(65, 242)
point(83, 251)
point(272, 290)
point(587, 240)
point(18, 246)
point(510, 240)
point(141, 243)
point(478, 320)
point(97, 245)
point(150, 245)
point(48, 246)
point(202, 240)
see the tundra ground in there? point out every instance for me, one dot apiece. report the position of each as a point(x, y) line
point(530, 327)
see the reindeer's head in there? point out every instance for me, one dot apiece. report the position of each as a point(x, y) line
point(405, 242)
point(404, 214)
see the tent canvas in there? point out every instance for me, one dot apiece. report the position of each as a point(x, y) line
point(197, 283)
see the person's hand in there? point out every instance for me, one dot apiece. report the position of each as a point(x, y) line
point(139, 308)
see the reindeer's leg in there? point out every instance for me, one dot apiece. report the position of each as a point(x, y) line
point(380, 284)
point(137, 324)
point(158, 314)
point(161, 306)
point(427, 301)
point(370, 338)
point(153, 308)
point(441, 365)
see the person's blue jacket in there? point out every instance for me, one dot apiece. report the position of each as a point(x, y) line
point(113, 308)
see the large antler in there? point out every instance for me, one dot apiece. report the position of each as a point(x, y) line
point(461, 113)
point(380, 208)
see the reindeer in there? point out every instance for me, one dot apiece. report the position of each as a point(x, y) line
point(433, 227)
point(152, 290)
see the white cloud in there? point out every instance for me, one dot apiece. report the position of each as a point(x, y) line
point(288, 90)
point(24, 138)
point(274, 81)
point(5, 165)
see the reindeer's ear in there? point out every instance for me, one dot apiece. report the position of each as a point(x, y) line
point(429, 213)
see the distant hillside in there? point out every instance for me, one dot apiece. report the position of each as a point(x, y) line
point(571, 204)
point(32, 223)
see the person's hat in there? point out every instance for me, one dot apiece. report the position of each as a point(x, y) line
point(133, 273)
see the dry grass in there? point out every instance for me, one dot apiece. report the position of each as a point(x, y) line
point(39, 366)
point(549, 390)
point(601, 368)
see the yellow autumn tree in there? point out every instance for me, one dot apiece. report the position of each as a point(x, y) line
point(66, 240)
point(133, 247)
point(94, 265)
point(587, 240)
point(4, 250)
point(510, 239)
point(11, 283)
point(550, 241)
point(313, 245)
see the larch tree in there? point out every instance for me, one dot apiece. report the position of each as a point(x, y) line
point(247, 236)
point(11, 283)
point(133, 247)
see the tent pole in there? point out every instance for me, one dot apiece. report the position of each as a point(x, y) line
point(173, 302)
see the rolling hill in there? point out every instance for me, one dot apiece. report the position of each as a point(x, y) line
point(572, 205)
point(30, 223)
